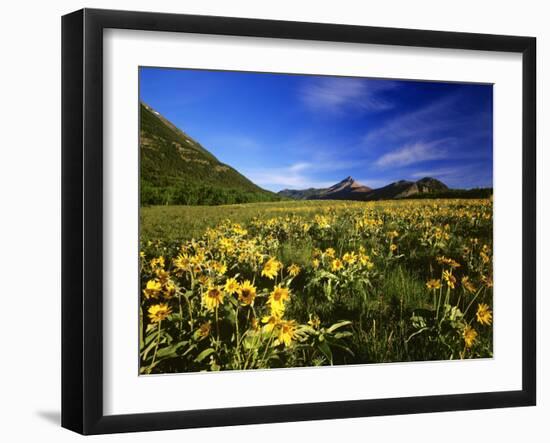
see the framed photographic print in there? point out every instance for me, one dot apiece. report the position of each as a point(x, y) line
point(273, 221)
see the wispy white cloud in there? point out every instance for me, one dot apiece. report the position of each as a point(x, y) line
point(280, 178)
point(337, 95)
point(299, 175)
point(414, 153)
point(438, 173)
point(422, 123)
point(298, 167)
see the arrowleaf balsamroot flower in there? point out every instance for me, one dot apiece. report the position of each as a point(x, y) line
point(277, 299)
point(231, 286)
point(204, 329)
point(293, 270)
point(247, 293)
point(159, 312)
point(336, 264)
point(484, 315)
point(271, 268)
point(157, 263)
point(287, 331)
point(152, 289)
point(350, 258)
point(470, 335)
point(450, 279)
point(169, 289)
point(468, 285)
point(212, 298)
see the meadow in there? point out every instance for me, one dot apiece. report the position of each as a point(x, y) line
point(312, 283)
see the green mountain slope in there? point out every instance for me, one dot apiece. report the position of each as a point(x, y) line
point(176, 169)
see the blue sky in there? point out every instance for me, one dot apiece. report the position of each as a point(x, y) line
point(299, 131)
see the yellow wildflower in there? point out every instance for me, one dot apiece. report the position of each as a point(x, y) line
point(484, 257)
point(227, 245)
point(247, 293)
point(277, 300)
point(271, 267)
point(182, 262)
point(433, 284)
point(484, 314)
point(254, 324)
point(293, 270)
point(231, 286)
point(220, 268)
point(271, 322)
point(336, 264)
point(487, 281)
point(205, 280)
point(450, 279)
point(467, 284)
point(169, 289)
point(350, 258)
point(212, 298)
point(162, 276)
point(322, 221)
point(364, 259)
point(159, 312)
point(287, 332)
point(448, 261)
point(157, 262)
point(152, 289)
point(239, 230)
point(469, 334)
point(204, 329)
point(314, 321)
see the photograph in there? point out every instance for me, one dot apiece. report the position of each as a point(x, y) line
point(292, 220)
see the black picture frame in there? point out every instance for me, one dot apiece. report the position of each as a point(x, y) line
point(82, 219)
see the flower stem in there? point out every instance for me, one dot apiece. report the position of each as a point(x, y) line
point(217, 330)
point(473, 300)
point(156, 347)
point(237, 333)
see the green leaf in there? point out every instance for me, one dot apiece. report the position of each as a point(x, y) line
point(338, 325)
point(325, 350)
point(169, 351)
point(204, 354)
point(340, 335)
point(147, 350)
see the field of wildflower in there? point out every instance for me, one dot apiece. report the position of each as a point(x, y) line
point(312, 283)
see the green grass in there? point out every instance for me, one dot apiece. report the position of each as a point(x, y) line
point(179, 223)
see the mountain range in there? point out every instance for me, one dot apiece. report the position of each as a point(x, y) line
point(176, 169)
point(351, 189)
